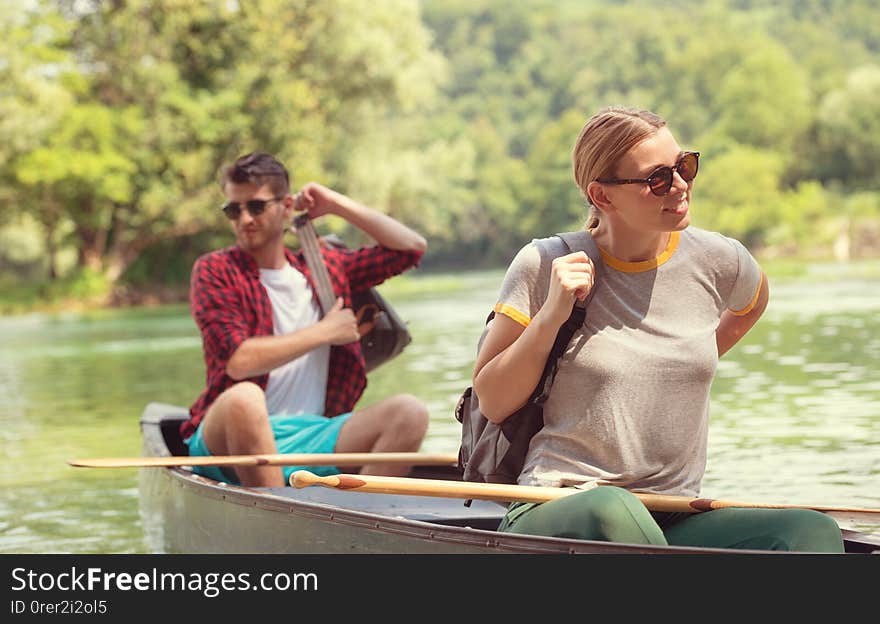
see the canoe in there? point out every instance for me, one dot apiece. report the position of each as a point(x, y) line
point(186, 513)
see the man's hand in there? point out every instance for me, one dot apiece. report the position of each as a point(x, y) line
point(320, 200)
point(339, 325)
point(317, 200)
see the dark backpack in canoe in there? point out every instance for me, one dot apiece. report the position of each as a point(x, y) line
point(383, 334)
point(495, 453)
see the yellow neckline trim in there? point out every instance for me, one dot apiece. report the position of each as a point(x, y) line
point(643, 265)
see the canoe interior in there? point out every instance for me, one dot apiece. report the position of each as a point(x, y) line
point(485, 515)
point(184, 512)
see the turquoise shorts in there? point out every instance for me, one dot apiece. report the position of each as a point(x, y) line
point(303, 433)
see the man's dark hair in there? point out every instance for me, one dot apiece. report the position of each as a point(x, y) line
point(258, 168)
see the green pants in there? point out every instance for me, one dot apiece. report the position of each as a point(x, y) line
point(612, 514)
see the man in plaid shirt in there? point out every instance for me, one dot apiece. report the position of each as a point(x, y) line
point(280, 377)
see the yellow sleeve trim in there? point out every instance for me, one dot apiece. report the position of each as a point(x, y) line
point(510, 311)
point(751, 305)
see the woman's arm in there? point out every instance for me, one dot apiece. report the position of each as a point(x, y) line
point(510, 363)
point(512, 357)
point(733, 327)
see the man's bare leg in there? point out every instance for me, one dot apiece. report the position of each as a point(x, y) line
point(237, 423)
point(394, 425)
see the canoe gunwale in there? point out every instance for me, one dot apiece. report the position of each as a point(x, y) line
point(486, 541)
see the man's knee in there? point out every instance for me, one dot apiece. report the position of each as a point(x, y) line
point(407, 414)
point(240, 405)
point(243, 395)
point(396, 424)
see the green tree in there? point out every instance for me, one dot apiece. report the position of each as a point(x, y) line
point(764, 101)
point(33, 102)
point(457, 116)
point(849, 131)
point(738, 193)
point(808, 219)
point(164, 92)
point(555, 202)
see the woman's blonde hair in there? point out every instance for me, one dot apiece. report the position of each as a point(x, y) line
point(604, 139)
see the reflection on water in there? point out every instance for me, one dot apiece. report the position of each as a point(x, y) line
point(796, 410)
point(795, 416)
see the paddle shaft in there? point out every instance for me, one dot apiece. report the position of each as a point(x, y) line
point(311, 248)
point(287, 459)
point(534, 494)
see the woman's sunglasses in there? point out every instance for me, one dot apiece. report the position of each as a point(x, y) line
point(254, 206)
point(660, 180)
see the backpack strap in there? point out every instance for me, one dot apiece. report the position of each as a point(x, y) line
point(575, 241)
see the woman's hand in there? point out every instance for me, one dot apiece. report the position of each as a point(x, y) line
point(571, 277)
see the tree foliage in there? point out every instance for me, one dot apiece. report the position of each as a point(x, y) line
point(162, 93)
point(456, 116)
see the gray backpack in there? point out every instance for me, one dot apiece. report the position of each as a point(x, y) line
point(495, 453)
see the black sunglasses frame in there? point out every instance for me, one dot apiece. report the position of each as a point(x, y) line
point(255, 207)
point(665, 171)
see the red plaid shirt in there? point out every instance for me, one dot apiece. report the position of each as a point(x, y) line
point(230, 305)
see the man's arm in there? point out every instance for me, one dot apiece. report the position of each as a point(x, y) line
point(388, 232)
point(733, 327)
point(259, 355)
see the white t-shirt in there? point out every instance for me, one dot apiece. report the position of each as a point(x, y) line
point(300, 386)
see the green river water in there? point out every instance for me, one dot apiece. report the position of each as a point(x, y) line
point(795, 412)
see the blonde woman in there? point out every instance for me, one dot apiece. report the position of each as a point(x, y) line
point(629, 406)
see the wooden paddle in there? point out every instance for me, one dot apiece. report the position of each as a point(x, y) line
point(289, 459)
point(311, 247)
point(533, 494)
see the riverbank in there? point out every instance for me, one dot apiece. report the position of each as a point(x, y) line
point(87, 292)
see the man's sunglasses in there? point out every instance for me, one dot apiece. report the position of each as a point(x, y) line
point(660, 180)
point(254, 206)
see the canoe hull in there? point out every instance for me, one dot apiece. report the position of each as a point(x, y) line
point(185, 513)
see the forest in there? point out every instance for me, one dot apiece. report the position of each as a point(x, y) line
point(454, 116)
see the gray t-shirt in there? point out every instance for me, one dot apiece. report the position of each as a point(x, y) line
point(630, 402)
